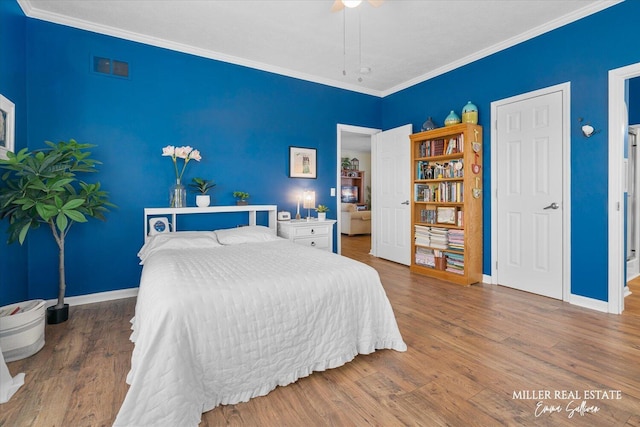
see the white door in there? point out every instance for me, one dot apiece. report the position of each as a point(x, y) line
point(391, 191)
point(529, 144)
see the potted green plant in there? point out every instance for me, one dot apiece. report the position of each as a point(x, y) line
point(241, 197)
point(202, 186)
point(42, 187)
point(322, 212)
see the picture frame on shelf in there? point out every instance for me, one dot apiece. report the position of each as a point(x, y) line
point(446, 215)
point(7, 126)
point(302, 162)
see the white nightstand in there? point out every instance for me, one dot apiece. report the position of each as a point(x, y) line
point(313, 233)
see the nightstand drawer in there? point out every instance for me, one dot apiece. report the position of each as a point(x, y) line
point(320, 242)
point(311, 230)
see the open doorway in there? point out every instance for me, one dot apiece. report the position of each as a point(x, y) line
point(620, 112)
point(353, 198)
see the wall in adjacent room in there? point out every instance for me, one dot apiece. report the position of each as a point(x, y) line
point(581, 53)
point(13, 258)
point(242, 120)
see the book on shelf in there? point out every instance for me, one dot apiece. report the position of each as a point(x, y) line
point(436, 170)
point(428, 215)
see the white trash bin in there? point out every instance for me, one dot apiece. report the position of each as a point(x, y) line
point(22, 333)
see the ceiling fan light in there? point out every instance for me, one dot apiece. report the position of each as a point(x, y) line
point(351, 3)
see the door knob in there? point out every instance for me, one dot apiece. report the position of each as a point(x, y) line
point(553, 205)
point(406, 202)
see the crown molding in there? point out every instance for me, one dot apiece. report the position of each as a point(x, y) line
point(35, 13)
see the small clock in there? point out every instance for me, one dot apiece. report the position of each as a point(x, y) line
point(158, 226)
point(284, 216)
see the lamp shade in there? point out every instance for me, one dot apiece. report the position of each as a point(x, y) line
point(309, 199)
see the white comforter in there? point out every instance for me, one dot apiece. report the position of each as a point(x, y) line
point(225, 324)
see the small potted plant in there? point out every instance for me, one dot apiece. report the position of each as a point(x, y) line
point(322, 212)
point(241, 197)
point(202, 186)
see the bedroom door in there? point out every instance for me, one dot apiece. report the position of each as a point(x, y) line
point(391, 193)
point(530, 199)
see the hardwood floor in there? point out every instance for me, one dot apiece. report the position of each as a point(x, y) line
point(474, 355)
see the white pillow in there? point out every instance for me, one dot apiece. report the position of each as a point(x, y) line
point(178, 240)
point(249, 234)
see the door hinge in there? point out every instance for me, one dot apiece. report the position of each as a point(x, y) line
point(618, 206)
point(496, 265)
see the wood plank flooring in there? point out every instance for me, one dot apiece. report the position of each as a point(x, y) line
point(470, 350)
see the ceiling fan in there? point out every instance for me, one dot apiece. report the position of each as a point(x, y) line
point(341, 4)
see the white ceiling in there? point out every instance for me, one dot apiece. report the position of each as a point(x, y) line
point(404, 42)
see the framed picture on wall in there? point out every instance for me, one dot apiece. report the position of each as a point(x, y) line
point(7, 126)
point(302, 162)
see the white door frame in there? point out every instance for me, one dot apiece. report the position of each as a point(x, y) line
point(618, 122)
point(353, 129)
point(565, 88)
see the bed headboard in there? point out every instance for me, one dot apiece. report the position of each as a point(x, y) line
point(173, 213)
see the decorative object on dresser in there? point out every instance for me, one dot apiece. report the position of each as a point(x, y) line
point(446, 209)
point(202, 186)
point(316, 234)
point(241, 197)
point(44, 186)
point(322, 212)
point(309, 202)
point(177, 191)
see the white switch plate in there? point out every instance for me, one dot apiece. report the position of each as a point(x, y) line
point(333, 192)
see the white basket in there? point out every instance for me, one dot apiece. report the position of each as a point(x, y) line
point(22, 334)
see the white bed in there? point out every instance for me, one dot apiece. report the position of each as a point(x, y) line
point(225, 316)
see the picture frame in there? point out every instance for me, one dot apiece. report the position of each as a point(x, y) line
point(446, 215)
point(7, 126)
point(302, 162)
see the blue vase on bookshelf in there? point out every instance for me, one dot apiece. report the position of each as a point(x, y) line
point(452, 119)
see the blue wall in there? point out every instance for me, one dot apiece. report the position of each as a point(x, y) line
point(581, 53)
point(13, 259)
point(244, 120)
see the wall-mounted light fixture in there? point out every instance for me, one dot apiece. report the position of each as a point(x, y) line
point(587, 130)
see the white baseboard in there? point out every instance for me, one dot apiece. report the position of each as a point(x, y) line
point(578, 300)
point(627, 291)
point(98, 297)
point(593, 304)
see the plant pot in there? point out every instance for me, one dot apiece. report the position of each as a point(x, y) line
point(203, 200)
point(22, 334)
point(57, 315)
point(322, 216)
point(241, 202)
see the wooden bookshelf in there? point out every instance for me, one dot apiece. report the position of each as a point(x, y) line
point(446, 207)
point(354, 178)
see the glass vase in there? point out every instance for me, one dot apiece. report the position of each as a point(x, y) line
point(178, 195)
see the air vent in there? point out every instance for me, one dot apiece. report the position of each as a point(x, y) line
point(112, 67)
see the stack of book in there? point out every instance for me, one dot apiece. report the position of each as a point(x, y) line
point(422, 235)
point(455, 263)
point(439, 237)
point(425, 257)
point(456, 240)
